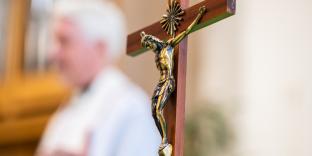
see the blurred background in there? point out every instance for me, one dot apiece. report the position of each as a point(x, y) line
point(249, 77)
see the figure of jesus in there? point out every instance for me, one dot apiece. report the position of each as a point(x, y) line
point(164, 58)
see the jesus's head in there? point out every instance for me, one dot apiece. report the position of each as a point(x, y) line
point(151, 42)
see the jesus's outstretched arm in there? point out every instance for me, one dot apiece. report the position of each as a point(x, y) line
point(183, 34)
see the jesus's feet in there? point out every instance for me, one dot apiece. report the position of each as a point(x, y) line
point(165, 150)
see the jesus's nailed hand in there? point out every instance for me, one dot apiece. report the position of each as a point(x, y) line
point(202, 9)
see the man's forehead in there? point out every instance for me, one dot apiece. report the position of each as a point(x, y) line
point(65, 24)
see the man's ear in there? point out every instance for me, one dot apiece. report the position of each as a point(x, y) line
point(101, 48)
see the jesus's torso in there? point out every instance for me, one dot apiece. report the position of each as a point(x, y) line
point(164, 62)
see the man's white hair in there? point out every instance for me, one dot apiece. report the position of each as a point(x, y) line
point(99, 20)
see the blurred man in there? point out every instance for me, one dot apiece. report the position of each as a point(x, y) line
point(108, 115)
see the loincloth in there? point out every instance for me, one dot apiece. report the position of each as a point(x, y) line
point(164, 87)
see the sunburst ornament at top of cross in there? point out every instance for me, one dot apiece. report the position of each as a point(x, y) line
point(172, 19)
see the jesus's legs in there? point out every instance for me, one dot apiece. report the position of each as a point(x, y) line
point(161, 96)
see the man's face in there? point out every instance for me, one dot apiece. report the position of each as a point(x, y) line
point(76, 58)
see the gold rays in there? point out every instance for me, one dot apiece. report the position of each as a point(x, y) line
point(171, 20)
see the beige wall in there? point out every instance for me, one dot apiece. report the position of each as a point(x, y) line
point(259, 62)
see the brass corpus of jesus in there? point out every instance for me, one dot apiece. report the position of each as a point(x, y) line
point(164, 58)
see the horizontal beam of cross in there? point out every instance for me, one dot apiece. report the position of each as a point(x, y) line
point(216, 11)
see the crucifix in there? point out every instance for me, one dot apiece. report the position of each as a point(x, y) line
point(169, 44)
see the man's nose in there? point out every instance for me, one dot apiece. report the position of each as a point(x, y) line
point(54, 55)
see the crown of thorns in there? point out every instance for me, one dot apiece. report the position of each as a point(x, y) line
point(145, 38)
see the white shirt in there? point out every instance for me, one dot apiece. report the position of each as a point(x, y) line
point(111, 118)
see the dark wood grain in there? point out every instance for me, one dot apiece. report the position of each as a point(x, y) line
point(216, 11)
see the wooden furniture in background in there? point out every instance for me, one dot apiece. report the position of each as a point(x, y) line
point(27, 100)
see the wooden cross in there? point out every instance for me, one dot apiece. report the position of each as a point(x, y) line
point(175, 109)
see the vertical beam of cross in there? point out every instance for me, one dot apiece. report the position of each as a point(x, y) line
point(175, 108)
